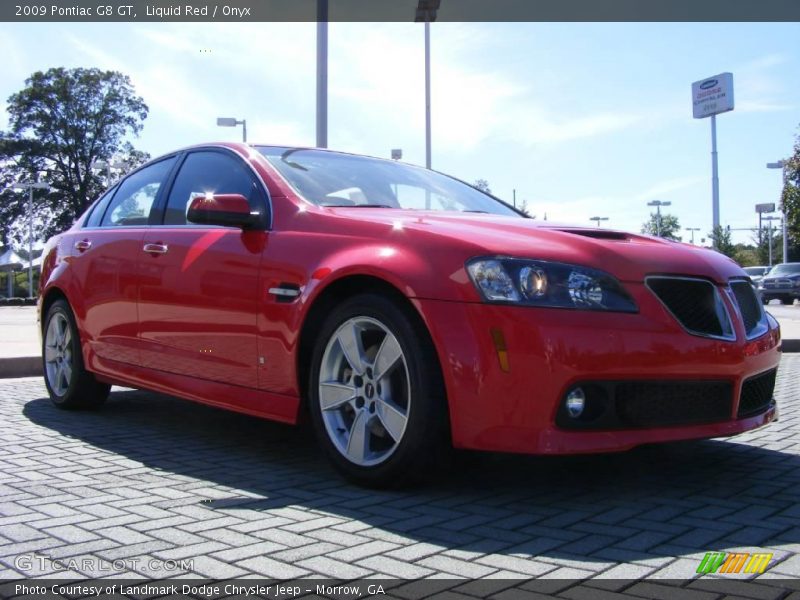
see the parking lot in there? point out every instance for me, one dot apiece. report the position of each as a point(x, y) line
point(151, 480)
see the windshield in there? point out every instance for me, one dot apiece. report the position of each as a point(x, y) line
point(333, 179)
point(755, 271)
point(786, 269)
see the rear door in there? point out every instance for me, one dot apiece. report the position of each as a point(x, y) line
point(103, 261)
point(198, 296)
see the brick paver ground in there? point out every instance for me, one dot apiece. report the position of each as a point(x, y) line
point(150, 478)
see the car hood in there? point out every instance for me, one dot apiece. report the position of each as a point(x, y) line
point(629, 257)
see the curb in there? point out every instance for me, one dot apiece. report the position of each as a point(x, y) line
point(790, 346)
point(20, 366)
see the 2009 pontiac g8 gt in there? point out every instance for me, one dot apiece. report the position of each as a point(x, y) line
point(400, 309)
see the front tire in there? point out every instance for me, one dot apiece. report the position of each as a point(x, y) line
point(787, 300)
point(69, 384)
point(376, 398)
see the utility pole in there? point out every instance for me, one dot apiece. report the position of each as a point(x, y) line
point(692, 229)
point(21, 187)
point(322, 73)
point(658, 204)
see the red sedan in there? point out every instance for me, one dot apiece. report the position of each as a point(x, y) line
point(401, 310)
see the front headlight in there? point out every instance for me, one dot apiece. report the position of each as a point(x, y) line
point(548, 284)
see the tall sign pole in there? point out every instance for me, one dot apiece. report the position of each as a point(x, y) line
point(322, 73)
point(426, 12)
point(711, 97)
point(714, 176)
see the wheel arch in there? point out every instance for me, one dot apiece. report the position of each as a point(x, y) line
point(53, 294)
point(338, 291)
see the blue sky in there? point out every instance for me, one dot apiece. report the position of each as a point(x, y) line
point(580, 119)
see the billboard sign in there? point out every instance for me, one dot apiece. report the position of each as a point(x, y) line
point(767, 207)
point(712, 96)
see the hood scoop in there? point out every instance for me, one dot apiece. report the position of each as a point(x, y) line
point(599, 234)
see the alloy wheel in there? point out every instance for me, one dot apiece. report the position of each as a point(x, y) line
point(364, 391)
point(58, 354)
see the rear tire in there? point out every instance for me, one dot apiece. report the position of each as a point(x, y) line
point(69, 384)
point(376, 398)
point(787, 300)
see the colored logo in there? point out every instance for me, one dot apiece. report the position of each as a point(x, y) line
point(734, 562)
point(708, 83)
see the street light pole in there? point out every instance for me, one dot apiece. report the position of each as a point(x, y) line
point(322, 73)
point(769, 221)
point(658, 204)
point(692, 229)
point(781, 164)
point(598, 219)
point(30, 187)
point(232, 122)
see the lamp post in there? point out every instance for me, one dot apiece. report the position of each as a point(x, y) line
point(692, 229)
point(781, 164)
point(108, 165)
point(232, 122)
point(322, 73)
point(658, 204)
point(21, 187)
point(598, 219)
point(769, 220)
point(426, 11)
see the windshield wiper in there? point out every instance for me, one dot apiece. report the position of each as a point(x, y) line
point(485, 212)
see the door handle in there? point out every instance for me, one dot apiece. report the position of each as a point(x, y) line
point(156, 248)
point(83, 245)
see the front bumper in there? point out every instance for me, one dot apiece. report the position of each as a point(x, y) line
point(779, 292)
point(550, 350)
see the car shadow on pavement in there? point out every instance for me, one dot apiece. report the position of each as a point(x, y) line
point(651, 502)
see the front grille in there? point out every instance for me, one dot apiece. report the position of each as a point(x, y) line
point(757, 394)
point(638, 404)
point(753, 316)
point(695, 303)
point(662, 404)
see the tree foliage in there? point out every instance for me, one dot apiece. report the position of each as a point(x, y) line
point(670, 226)
point(721, 240)
point(60, 124)
point(482, 185)
point(790, 199)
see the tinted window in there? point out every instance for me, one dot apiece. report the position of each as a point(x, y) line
point(333, 179)
point(99, 208)
point(135, 196)
point(214, 172)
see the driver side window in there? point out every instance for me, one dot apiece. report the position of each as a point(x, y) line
point(206, 172)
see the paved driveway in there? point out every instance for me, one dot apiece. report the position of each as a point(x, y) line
point(149, 480)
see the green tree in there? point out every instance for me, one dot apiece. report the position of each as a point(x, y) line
point(669, 227)
point(790, 199)
point(482, 185)
point(721, 240)
point(60, 124)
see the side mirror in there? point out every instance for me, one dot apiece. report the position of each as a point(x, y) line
point(230, 210)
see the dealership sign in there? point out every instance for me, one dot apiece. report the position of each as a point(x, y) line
point(712, 96)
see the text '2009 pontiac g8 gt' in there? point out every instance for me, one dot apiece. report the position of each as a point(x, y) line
point(400, 309)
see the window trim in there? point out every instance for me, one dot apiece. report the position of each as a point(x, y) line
point(97, 205)
point(118, 185)
point(159, 211)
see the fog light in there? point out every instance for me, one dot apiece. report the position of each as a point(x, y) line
point(576, 401)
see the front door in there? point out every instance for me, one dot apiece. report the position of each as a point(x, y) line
point(198, 292)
